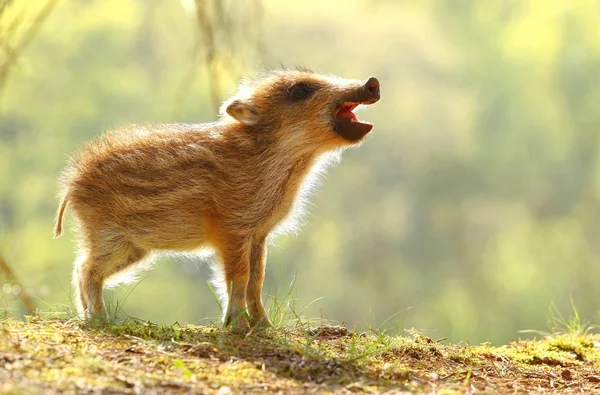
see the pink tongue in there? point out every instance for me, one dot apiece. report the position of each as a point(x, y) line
point(345, 114)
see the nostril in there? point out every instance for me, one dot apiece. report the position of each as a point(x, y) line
point(372, 86)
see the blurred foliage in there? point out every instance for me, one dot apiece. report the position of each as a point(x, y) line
point(223, 30)
point(16, 32)
point(475, 201)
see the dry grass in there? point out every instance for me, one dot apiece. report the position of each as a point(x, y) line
point(58, 356)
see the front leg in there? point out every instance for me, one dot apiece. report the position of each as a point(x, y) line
point(236, 264)
point(258, 260)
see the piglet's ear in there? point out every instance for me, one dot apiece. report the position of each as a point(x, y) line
point(243, 111)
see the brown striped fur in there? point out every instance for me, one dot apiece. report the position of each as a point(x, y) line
point(225, 186)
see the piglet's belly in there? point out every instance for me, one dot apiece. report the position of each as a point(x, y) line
point(170, 231)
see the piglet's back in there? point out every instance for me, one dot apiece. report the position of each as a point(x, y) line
point(140, 169)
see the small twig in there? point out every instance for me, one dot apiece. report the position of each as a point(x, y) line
point(217, 44)
point(23, 295)
point(15, 52)
point(3, 5)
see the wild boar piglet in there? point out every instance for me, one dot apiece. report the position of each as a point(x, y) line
point(225, 186)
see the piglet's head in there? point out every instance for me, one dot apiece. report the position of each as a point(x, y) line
point(304, 108)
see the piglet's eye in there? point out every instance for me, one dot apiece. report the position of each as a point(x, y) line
point(301, 91)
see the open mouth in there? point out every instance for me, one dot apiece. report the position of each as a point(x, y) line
point(347, 124)
point(345, 112)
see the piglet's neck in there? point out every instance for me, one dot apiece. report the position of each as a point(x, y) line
point(275, 146)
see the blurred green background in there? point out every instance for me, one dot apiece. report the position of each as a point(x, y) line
point(475, 202)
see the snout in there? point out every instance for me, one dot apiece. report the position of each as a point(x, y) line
point(371, 90)
point(367, 93)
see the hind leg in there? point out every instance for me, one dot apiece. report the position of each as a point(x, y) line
point(80, 303)
point(129, 256)
point(88, 287)
point(91, 271)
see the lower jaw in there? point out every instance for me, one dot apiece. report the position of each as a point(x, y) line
point(354, 132)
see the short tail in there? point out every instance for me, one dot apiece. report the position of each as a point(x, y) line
point(59, 216)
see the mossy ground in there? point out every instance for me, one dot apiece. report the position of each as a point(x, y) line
point(44, 355)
